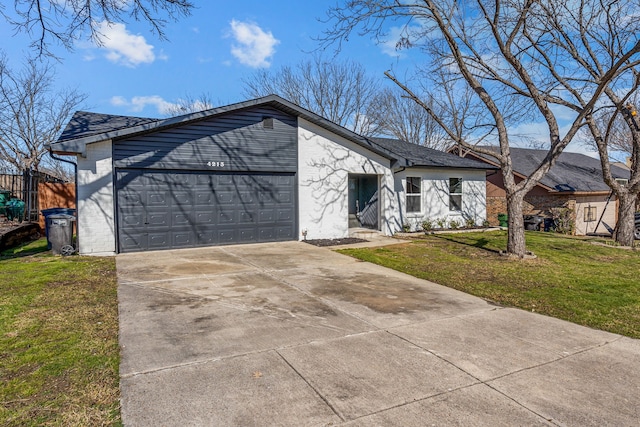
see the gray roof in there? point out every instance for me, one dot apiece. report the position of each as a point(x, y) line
point(571, 172)
point(101, 128)
point(87, 128)
point(418, 155)
point(84, 124)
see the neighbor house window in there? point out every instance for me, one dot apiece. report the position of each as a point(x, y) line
point(413, 194)
point(590, 213)
point(455, 194)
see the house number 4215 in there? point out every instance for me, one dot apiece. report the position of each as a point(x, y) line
point(216, 164)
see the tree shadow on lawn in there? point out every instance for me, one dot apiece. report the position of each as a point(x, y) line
point(480, 242)
point(25, 249)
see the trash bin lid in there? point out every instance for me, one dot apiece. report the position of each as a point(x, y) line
point(62, 216)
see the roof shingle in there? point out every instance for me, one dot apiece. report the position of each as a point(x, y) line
point(571, 172)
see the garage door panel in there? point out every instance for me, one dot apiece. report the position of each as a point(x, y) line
point(205, 198)
point(156, 198)
point(225, 197)
point(225, 236)
point(206, 218)
point(132, 220)
point(161, 210)
point(157, 219)
point(133, 242)
point(206, 237)
point(183, 239)
point(226, 217)
point(247, 235)
point(285, 233)
point(284, 197)
point(157, 240)
point(267, 216)
point(267, 234)
point(285, 216)
point(245, 217)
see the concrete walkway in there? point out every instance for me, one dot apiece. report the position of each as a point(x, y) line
point(288, 334)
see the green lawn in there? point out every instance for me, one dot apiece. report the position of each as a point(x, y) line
point(571, 279)
point(59, 352)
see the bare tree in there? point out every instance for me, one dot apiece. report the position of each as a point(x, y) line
point(398, 116)
point(66, 21)
point(611, 134)
point(191, 104)
point(31, 112)
point(601, 42)
point(507, 52)
point(619, 135)
point(338, 91)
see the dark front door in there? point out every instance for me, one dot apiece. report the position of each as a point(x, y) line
point(363, 201)
point(165, 210)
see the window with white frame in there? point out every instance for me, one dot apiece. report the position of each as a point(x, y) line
point(455, 194)
point(590, 213)
point(413, 195)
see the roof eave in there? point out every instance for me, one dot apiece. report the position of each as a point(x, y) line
point(582, 193)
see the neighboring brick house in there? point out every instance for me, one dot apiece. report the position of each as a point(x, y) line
point(574, 182)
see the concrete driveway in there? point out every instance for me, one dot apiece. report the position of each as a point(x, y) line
point(288, 334)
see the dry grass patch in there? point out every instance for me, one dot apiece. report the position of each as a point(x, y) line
point(59, 341)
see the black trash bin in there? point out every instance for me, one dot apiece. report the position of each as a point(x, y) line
point(60, 236)
point(532, 222)
point(54, 211)
point(549, 224)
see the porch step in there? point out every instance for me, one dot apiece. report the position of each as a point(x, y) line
point(364, 233)
point(353, 221)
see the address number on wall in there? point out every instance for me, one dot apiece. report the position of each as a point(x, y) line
point(216, 164)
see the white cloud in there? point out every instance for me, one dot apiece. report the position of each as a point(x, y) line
point(412, 33)
point(389, 46)
point(123, 47)
point(139, 103)
point(254, 47)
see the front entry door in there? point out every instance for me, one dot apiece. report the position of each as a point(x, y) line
point(363, 201)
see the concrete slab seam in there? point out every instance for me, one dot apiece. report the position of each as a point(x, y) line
point(193, 363)
point(422, 399)
point(487, 382)
point(248, 353)
point(315, 390)
point(479, 381)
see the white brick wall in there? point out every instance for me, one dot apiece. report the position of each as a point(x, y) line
point(435, 195)
point(324, 163)
point(96, 225)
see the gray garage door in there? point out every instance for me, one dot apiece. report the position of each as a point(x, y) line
point(164, 210)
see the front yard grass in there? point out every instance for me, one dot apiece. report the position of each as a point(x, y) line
point(571, 279)
point(59, 352)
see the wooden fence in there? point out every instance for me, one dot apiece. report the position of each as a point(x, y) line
point(55, 195)
point(25, 187)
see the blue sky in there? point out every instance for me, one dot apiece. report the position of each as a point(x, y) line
point(136, 73)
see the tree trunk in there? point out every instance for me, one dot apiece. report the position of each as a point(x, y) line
point(516, 245)
point(625, 225)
